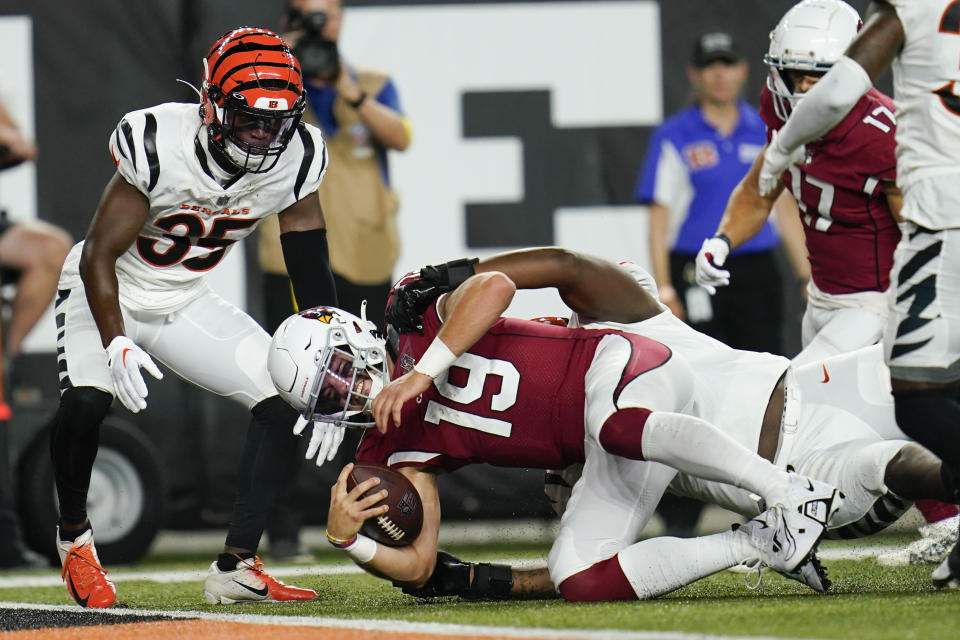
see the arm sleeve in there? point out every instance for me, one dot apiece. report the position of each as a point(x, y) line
point(826, 104)
point(308, 263)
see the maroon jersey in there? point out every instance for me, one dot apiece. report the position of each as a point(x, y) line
point(515, 399)
point(849, 229)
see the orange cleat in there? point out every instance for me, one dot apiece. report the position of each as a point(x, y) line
point(87, 581)
point(249, 583)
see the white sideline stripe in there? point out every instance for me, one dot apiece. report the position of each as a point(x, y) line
point(401, 626)
point(196, 575)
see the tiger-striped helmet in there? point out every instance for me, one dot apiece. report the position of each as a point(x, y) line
point(252, 97)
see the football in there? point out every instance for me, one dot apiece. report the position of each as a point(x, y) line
point(401, 524)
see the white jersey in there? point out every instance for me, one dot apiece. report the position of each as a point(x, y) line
point(928, 111)
point(193, 220)
point(732, 387)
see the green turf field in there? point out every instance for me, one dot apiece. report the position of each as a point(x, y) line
point(867, 601)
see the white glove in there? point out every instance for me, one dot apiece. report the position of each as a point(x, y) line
point(324, 441)
point(125, 359)
point(775, 162)
point(713, 253)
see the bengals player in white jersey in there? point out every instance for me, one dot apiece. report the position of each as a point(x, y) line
point(920, 39)
point(190, 182)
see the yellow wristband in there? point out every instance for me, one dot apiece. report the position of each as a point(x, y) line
point(340, 543)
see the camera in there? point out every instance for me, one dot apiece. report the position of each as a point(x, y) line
point(318, 56)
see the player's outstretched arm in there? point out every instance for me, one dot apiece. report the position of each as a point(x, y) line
point(410, 565)
point(595, 288)
point(746, 212)
point(829, 101)
point(747, 209)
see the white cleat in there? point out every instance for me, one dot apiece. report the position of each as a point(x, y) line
point(783, 540)
point(812, 498)
point(947, 575)
point(811, 573)
point(249, 583)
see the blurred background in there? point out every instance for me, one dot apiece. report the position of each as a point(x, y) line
point(530, 123)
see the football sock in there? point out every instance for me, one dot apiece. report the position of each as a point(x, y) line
point(935, 511)
point(73, 447)
point(931, 416)
point(71, 536)
point(661, 565)
point(267, 464)
point(701, 449)
point(229, 561)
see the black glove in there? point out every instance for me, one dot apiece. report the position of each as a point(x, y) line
point(411, 299)
point(451, 577)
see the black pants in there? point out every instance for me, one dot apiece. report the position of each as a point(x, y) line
point(746, 314)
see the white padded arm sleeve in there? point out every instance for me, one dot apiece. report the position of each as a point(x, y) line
point(826, 104)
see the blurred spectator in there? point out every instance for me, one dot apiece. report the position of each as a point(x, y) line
point(695, 159)
point(358, 111)
point(31, 253)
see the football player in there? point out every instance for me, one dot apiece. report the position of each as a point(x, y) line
point(845, 189)
point(190, 182)
point(517, 393)
point(922, 333)
point(826, 420)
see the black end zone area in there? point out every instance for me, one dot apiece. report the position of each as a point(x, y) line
point(24, 619)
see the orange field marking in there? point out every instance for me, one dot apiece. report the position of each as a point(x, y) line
point(213, 629)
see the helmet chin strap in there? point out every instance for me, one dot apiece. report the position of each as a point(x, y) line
point(376, 386)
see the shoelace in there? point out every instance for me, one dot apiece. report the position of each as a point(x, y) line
point(758, 567)
point(89, 561)
point(257, 567)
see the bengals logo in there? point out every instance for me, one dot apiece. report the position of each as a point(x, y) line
point(701, 155)
point(273, 104)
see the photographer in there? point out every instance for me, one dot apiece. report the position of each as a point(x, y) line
point(358, 111)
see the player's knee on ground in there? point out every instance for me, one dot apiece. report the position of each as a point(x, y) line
point(603, 581)
point(622, 432)
point(914, 474)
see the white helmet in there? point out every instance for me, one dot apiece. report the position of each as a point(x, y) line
point(811, 36)
point(328, 364)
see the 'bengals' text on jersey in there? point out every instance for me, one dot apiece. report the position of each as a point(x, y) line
point(193, 219)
